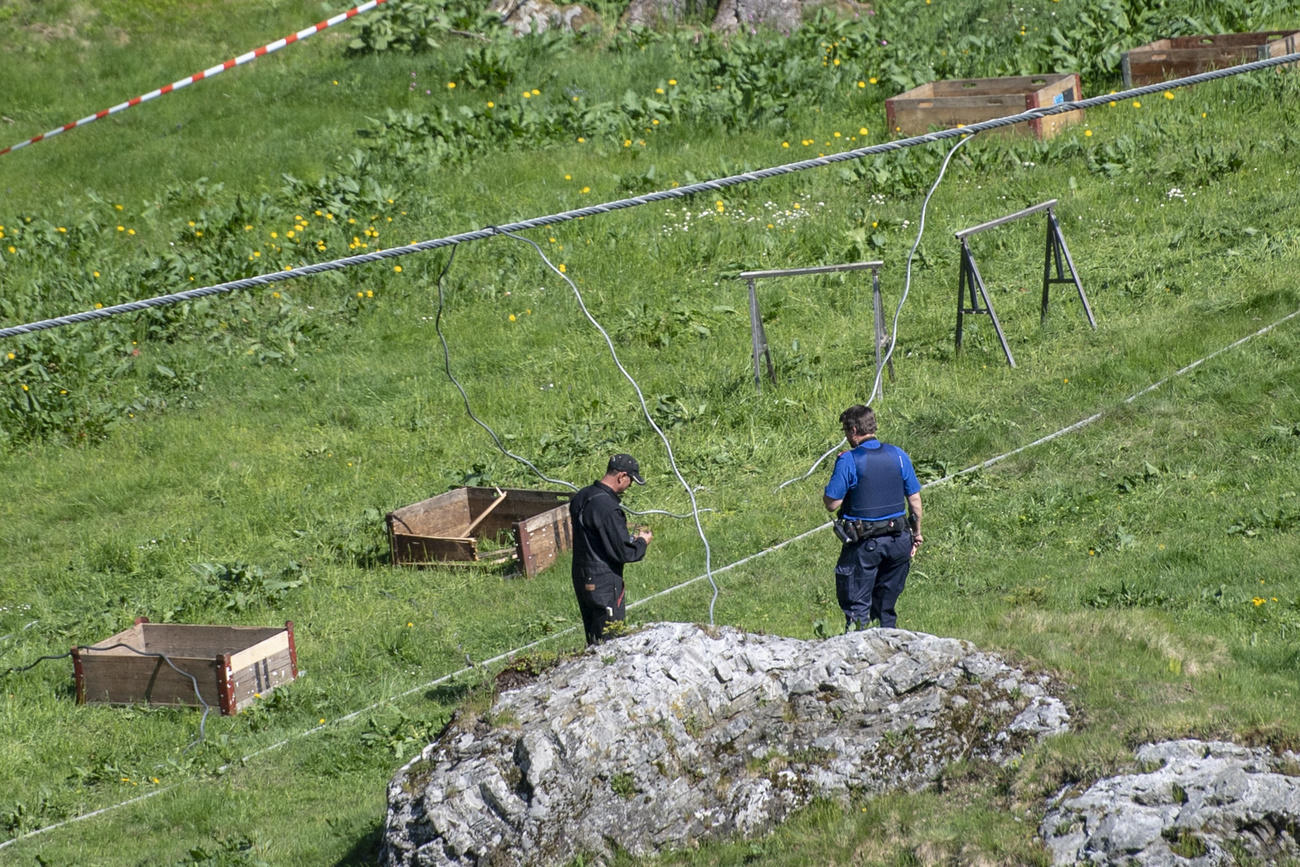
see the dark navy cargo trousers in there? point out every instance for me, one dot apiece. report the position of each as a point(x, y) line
point(869, 578)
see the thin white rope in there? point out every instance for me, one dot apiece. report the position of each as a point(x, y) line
point(645, 409)
point(893, 335)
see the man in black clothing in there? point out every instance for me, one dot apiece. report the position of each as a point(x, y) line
point(602, 544)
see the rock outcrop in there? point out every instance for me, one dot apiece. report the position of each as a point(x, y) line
point(538, 16)
point(784, 16)
point(1190, 803)
point(678, 733)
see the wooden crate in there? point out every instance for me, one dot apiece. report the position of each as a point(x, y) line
point(964, 101)
point(1180, 56)
point(233, 665)
point(436, 531)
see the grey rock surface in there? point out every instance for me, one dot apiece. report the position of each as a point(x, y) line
point(677, 733)
point(783, 16)
point(538, 16)
point(1190, 802)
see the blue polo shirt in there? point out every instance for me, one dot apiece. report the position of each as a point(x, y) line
point(845, 475)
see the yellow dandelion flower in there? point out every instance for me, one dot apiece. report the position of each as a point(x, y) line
point(872, 80)
point(451, 85)
point(563, 270)
point(1137, 103)
point(536, 92)
point(785, 144)
point(862, 84)
point(672, 82)
point(397, 268)
point(586, 189)
point(659, 90)
point(1169, 94)
point(1087, 133)
point(25, 387)
point(512, 317)
point(862, 131)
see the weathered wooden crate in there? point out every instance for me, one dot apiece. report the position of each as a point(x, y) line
point(233, 665)
point(460, 525)
point(965, 101)
point(1180, 56)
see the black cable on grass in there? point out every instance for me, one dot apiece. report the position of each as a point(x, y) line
point(152, 655)
point(446, 363)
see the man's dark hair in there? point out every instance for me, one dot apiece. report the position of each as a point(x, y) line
point(859, 419)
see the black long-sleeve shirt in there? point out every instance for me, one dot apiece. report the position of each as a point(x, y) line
point(601, 542)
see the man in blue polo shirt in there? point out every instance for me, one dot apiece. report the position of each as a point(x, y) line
point(874, 488)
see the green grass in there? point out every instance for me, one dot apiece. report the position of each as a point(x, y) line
point(1145, 558)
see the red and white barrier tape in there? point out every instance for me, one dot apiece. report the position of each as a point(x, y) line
point(207, 73)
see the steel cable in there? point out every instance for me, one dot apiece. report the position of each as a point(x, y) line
point(635, 201)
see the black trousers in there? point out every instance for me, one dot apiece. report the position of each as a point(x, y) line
point(870, 576)
point(600, 599)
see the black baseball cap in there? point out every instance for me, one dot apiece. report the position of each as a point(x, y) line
point(626, 464)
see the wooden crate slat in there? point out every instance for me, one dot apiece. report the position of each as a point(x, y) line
point(259, 677)
point(542, 538)
point(1180, 56)
point(455, 510)
point(274, 643)
point(966, 101)
point(133, 679)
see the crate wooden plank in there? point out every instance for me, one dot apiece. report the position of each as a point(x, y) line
point(1181, 56)
point(132, 679)
point(260, 676)
point(542, 538)
point(966, 101)
point(422, 550)
point(443, 515)
point(276, 642)
point(193, 640)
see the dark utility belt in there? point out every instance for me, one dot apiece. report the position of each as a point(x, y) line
point(848, 530)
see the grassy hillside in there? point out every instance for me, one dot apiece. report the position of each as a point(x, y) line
point(230, 460)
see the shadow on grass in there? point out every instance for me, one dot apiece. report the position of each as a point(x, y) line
point(366, 850)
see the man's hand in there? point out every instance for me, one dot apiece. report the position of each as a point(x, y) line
point(916, 544)
point(644, 533)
